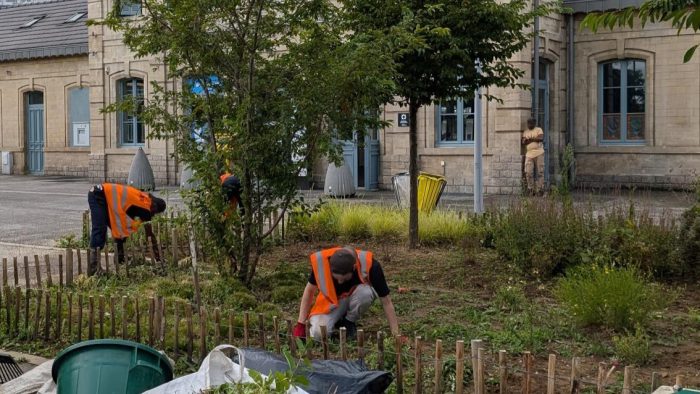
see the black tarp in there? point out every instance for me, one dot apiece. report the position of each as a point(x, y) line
point(325, 376)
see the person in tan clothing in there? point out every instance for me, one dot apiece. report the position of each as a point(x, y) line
point(534, 157)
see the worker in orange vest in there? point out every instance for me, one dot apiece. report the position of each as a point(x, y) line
point(123, 209)
point(347, 281)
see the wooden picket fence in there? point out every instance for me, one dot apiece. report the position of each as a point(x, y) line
point(63, 317)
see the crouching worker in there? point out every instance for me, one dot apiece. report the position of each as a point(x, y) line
point(347, 281)
point(231, 186)
point(121, 208)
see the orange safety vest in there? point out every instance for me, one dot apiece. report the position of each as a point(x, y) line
point(234, 202)
point(327, 299)
point(119, 199)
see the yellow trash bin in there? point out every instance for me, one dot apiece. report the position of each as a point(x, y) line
point(430, 189)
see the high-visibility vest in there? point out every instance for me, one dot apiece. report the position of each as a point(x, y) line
point(234, 202)
point(119, 199)
point(327, 299)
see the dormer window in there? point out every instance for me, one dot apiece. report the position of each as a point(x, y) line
point(75, 17)
point(32, 22)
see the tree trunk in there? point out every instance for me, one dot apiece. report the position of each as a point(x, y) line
point(413, 173)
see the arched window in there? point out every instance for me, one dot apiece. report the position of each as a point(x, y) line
point(622, 101)
point(129, 124)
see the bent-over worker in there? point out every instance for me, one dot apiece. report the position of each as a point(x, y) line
point(347, 281)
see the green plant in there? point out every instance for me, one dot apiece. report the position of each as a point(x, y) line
point(71, 241)
point(510, 298)
point(276, 382)
point(565, 172)
point(443, 228)
point(633, 348)
point(354, 222)
point(605, 296)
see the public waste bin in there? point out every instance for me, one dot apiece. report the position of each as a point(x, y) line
point(109, 366)
point(402, 186)
point(430, 189)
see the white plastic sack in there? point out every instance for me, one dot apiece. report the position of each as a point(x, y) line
point(216, 369)
point(38, 380)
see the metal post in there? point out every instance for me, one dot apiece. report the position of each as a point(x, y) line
point(570, 89)
point(478, 145)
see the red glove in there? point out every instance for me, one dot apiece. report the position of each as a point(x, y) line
point(300, 330)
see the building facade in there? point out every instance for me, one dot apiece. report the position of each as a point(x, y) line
point(623, 99)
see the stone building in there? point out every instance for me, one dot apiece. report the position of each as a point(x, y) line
point(624, 99)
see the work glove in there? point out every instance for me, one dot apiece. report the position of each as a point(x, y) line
point(299, 331)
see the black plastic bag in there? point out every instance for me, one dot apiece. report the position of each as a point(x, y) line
point(326, 376)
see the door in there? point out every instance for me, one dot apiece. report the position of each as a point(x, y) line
point(362, 156)
point(34, 128)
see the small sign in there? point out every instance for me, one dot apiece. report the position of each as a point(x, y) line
point(81, 134)
point(403, 119)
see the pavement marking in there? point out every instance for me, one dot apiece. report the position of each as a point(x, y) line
point(15, 245)
point(49, 193)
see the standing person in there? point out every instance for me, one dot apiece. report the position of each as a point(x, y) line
point(123, 209)
point(347, 281)
point(534, 157)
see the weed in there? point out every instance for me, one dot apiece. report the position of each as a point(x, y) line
point(633, 348)
point(617, 298)
point(508, 297)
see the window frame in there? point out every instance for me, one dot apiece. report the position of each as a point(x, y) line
point(459, 115)
point(130, 8)
point(71, 121)
point(623, 102)
point(121, 115)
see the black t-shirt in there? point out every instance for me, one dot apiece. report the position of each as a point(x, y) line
point(376, 279)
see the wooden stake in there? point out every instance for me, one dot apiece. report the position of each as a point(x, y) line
point(59, 315)
point(176, 345)
point(69, 267)
point(107, 259)
point(173, 242)
point(47, 326)
point(679, 380)
point(151, 314)
point(627, 382)
point(418, 364)
point(528, 372)
point(190, 333)
point(438, 366)
point(102, 316)
point(80, 261)
point(18, 301)
point(79, 328)
point(310, 343)
point(655, 377)
point(47, 263)
point(4, 272)
point(195, 272)
point(124, 317)
point(361, 344)
point(480, 361)
point(246, 320)
point(137, 313)
point(459, 367)
point(8, 309)
point(261, 329)
point(502, 372)
point(37, 315)
point(15, 271)
point(26, 272)
point(202, 334)
point(60, 270)
point(156, 320)
point(112, 318)
point(399, 367)
point(475, 345)
point(324, 341)
point(91, 317)
point(343, 344)
point(217, 327)
point(380, 350)
point(27, 294)
point(163, 321)
point(551, 374)
point(574, 383)
point(276, 335)
point(37, 269)
point(70, 315)
point(600, 385)
point(290, 338)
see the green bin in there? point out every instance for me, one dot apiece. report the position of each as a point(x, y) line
point(109, 366)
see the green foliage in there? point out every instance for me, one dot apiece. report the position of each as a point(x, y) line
point(71, 241)
point(633, 348)
point(605, 296)
point(682, 15)
point(690, 239)
point(567, 165)
point(509, 297)
point(276, 382)
point(354, 222)
point(444, 228)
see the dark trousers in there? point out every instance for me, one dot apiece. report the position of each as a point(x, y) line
point(99, 216)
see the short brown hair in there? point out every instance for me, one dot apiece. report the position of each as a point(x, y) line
point(343, 261)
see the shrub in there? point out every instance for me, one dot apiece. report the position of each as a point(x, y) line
point(689, 249)
point(389, 224)
point(633, 348)
point(617, 298)
point(354, 221)
point(285, 294)
point(442, 228)
point(319, 225)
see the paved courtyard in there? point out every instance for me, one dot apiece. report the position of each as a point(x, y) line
point(35, 211)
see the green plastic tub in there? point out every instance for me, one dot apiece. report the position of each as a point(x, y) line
point(109, 366)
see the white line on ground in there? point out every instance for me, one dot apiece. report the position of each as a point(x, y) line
point(14, 245)
point(49, 193)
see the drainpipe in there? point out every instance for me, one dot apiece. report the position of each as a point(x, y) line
point(570, 89)
point(536, 90)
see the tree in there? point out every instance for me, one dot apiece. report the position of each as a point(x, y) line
point(437, 44)
point(683, 14)
point(279, 79)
